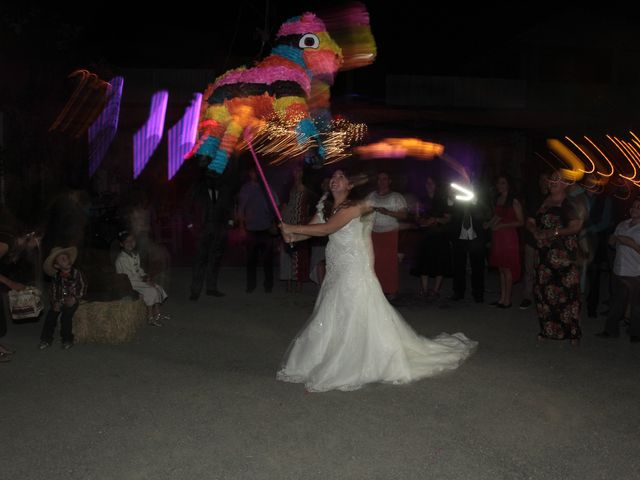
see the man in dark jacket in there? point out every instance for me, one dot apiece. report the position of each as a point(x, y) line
point(210, 205)
point(468, 237)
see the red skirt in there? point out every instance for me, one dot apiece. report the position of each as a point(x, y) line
point(505, 251)
point(385, 249)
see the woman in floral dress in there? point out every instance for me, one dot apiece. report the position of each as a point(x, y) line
point(557, 287)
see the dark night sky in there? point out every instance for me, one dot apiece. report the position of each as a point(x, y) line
point(438, 35)
point(436, 39)
point(446, 38)
point(41, 46)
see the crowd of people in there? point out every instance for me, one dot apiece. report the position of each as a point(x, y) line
point(58, 251)
point(557, 238)
point(553, 242)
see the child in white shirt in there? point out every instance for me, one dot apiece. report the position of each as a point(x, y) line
point(128, 262)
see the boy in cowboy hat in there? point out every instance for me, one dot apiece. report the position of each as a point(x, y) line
point(67, 288)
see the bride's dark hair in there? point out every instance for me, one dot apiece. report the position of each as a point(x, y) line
point(358, 179)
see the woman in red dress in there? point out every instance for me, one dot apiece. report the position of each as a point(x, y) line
point(505, 243)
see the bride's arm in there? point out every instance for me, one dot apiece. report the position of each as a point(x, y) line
point(366, 207)
point(335, 223)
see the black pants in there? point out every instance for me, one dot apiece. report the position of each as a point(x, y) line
point(625, 290)
point(474, 249)
point(206, 266)
point(594, 270)
point(66, 324)
point(259, 245)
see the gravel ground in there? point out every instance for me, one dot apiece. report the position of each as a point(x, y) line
point(197, 399)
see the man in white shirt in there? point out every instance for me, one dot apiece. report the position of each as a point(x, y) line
point(626, 276)
point(390, 208)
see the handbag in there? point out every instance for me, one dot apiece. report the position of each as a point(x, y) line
point(25, 303)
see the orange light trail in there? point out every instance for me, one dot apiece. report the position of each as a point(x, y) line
point(604, 156)
point(634, 153)
point(593, 165)
point(84, 106)
point(576, 172)
point(400, 148)
point(633, 165)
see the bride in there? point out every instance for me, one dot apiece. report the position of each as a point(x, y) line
point(354, 336)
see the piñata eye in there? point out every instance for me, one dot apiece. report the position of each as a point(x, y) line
point(309, 40)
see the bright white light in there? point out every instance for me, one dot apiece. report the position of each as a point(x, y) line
point(467, 195)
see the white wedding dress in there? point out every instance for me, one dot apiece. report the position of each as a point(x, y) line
point(354, 336)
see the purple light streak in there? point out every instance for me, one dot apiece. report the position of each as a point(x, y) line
point(147, 139)
point(103, 130)
point(182, 136)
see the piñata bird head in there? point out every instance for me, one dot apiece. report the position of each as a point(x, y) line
point(305, 41)
point(283, 100)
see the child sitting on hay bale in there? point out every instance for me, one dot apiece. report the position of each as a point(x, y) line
point(67, 288)
point(128, 262)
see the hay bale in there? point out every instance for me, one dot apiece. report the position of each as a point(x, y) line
point(108, 322)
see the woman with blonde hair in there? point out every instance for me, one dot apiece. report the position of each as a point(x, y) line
point(555, 227)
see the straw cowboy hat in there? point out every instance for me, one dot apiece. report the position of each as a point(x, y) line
point(48, 265)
